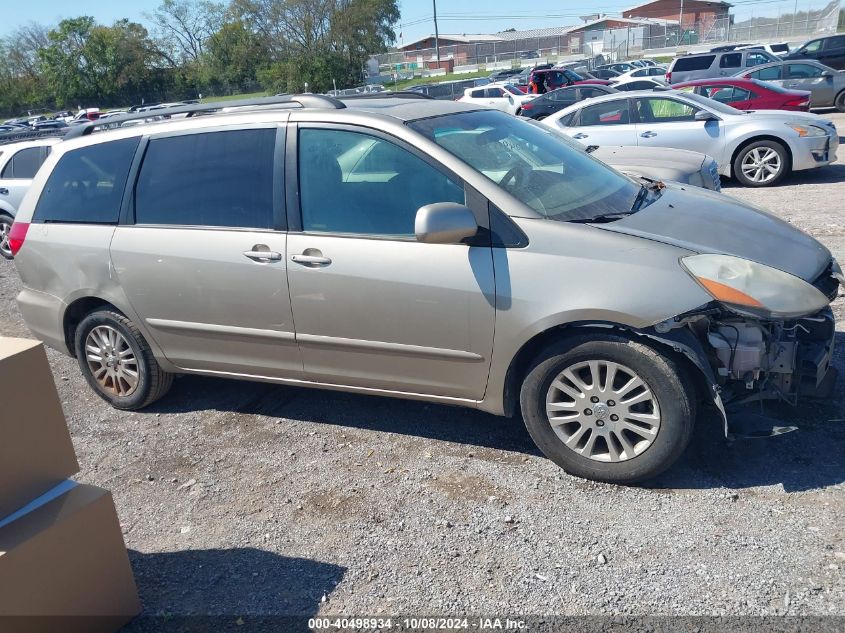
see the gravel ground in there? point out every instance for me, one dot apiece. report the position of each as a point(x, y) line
point(244, 498)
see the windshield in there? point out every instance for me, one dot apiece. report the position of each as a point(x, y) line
point(572, 75)
point(513, 90)
point(711, 104)
point(534, 164)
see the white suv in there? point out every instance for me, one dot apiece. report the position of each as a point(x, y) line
point(19, 162)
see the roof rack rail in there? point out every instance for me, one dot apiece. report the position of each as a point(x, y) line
point(387, 94)
point(305, 101)
point(9, 137)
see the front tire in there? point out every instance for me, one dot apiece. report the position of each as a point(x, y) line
point(839, 102)
point(610, 409)
point(6, 222)
point(761, 164)
point(118, 363)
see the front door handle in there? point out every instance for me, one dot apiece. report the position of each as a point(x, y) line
point(580, 135)
point(262, 253)
point(311, 260)
point(4, 191)
point(648, 134)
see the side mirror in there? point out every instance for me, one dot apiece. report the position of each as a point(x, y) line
point(827, 73)
point(704, 115)
point(444, 223)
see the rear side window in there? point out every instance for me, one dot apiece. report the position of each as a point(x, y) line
point(802, 71)
point(731, 60)
point(767, 74)
point(702, 62)
point(607, 113)
point(24, 164)
point(208, 179)
point(87, 184)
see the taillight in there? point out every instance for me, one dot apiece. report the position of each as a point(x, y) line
point(526, 106)
point(668, 78)
point(17, 235)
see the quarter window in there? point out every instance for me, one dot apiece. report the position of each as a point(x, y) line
point(87, 184)
point(24, 164)
point(357, 183)
point(607, 113)
point(208, 179)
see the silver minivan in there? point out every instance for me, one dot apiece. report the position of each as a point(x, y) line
point(720, 64)
point(421, 249)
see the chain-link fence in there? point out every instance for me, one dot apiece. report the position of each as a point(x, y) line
point(638, 39)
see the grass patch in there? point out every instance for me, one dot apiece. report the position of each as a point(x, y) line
point(251, 95)
point(416, 81)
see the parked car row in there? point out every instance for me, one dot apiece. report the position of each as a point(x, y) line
point(275, 206)
point(757, 150)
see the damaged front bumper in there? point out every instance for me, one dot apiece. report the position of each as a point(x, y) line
point(745, 360)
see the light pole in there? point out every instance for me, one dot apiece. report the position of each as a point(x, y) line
point(436, 34)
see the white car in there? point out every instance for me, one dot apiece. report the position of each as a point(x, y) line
point(639, 83)
point(648, 72)
point(757, 149)
point(502, 96)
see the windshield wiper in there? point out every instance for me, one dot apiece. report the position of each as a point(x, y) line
point(642, 194)
point(604, 217)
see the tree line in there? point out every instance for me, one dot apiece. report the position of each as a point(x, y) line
point(193, 47)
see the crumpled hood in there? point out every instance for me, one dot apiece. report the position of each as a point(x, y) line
point(708, 222)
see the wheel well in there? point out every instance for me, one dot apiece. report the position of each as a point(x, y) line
point(839, 94)
point(77, 311)
point(521, 363)
point(755, 139)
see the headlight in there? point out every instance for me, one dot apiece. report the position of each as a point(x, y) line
point(751, 288)
point(807, 130)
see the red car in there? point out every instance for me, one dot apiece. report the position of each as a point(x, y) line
point(748, 94)
point(554, 78)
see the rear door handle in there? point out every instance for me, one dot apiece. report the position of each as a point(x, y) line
point(648, 134)
point(311, 260)
point(580, 135)
point(268, 255)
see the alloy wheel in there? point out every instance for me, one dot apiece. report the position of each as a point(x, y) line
point(5, 245)
point(761, 164)
point(112, 361)
point(603, 411)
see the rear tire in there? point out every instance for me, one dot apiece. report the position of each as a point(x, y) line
point(839, 102)
point(117, 362)
point(761, 164)
point(599, 435)
point(6, 222)
point(541, 117)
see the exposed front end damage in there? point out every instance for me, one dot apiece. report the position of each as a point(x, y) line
point(748, 360)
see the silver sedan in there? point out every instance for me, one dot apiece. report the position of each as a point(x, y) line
point(758, 148)
point(826, 84)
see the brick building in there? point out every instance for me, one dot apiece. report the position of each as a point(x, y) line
point(691, 12)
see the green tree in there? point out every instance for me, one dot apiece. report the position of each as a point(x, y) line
point(234, 56)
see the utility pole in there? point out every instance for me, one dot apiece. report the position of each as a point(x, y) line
point(794, 17)
point(436, 34)
point(681, 24)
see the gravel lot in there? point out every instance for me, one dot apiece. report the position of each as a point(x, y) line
point(242, 498)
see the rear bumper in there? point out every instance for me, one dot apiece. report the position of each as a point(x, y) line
point(43, 315)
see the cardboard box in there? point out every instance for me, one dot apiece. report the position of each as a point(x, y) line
point(64, 567)
point(36, 452)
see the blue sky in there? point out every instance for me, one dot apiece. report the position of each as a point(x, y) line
point(455, 16)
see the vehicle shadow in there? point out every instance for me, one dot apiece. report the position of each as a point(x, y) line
point(370, 413)
point(807, 459)
point(830, 174)
point(214, 590)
